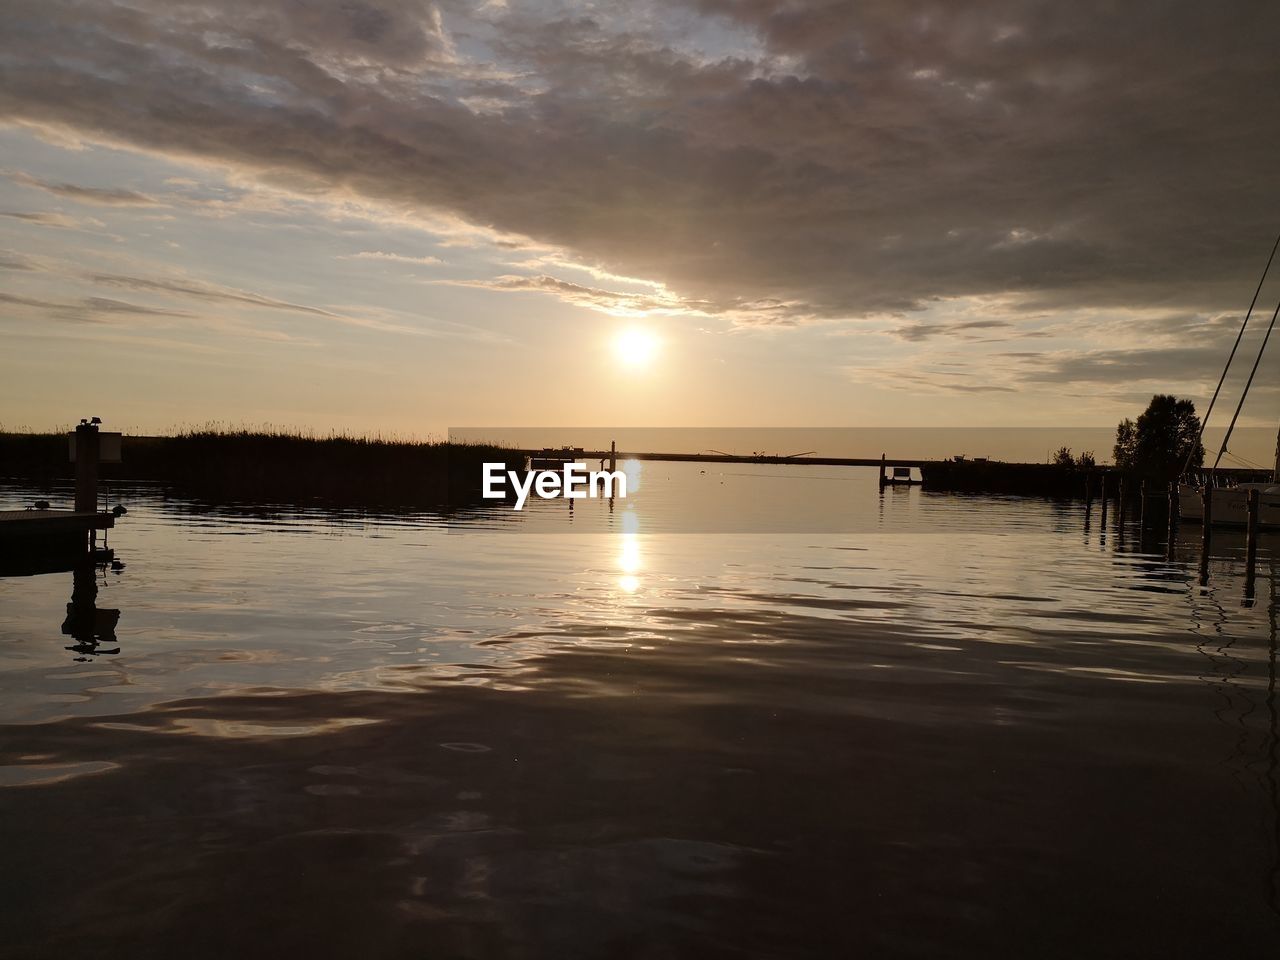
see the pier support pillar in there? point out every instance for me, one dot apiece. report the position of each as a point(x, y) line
point(87, 468)
point(1206, 535)
point(1251, 543)
point(1102, 499)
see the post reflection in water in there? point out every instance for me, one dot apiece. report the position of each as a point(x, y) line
point(93, 628)
point(1273, 750)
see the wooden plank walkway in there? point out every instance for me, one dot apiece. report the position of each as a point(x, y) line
point(27, 523)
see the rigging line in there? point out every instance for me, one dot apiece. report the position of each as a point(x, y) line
point(1221, 380)
point(1244, 460)
point(1239, 406)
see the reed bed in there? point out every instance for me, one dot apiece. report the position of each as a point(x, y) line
point(274, 465)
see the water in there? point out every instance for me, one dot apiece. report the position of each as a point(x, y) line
point(957, 727)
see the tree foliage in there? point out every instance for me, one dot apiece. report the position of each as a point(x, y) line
point(1159, 443)
point(1064, 458)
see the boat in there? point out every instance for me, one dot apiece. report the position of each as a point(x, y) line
point(1230, 504)
point(1229, 500)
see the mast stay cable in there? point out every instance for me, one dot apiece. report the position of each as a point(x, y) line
point(1235, 346)
point(1257, 360)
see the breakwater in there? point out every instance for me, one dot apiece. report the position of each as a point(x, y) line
point(1047, 479)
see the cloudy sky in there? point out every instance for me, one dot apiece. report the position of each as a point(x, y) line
point(402, 215)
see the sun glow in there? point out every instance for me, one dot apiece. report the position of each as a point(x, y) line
point(635, 347)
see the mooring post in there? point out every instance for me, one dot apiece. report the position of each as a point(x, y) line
point(1120, 504)
point(1142, 504)
point(1174, 507)
point(87, 468)
point(1205, 534)
point(882, 458)
point(1088, 492)
point(1102, 499)
point(613, 455)
point(1251, 543)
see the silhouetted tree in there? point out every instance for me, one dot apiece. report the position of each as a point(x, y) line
point(1086, 460)
point(1126, 448)
point(1063, 458)
point(1159, 443)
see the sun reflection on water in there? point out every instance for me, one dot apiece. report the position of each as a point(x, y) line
point(629, 563)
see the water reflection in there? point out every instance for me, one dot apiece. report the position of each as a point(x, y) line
point(380, 738)
point(1273, 751)
point(629, 563)
point(92, 627)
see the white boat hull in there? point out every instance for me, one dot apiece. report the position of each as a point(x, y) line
point(1230, 507)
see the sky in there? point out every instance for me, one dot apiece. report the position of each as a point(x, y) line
point(396, 216)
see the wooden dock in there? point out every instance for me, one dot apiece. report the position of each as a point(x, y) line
point(50, 541)
point(29, 523)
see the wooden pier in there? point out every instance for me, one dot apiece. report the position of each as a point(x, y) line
point(16, 524)
point(40, 540)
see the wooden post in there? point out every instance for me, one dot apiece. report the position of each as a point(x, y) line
point(1251, 543)
point(1120, 504)
point(1142, 505)
point(882, 471)
point(87, 468)
point(1206, 537)
point(613, 455)
point(1174, 509)
point(1102, 497)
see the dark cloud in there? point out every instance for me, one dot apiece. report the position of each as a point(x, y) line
point(925, 331)
point(216, 293)
point(10, 260)
point(576, 293)
point(101, 196)
point(934, 380)
point(838, 159)
point(1157, 365)
point(91, 308)
point(42, 218)
point(108, 305)
point(200, 290)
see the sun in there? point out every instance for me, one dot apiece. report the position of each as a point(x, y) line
point(635, 347)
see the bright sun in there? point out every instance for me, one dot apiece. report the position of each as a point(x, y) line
point(635, 347)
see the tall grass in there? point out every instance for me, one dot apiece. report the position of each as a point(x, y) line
point(275, 464)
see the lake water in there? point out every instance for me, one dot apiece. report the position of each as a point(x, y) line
point(907, 725)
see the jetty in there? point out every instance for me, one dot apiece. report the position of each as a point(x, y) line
point(42, 540)
point(52, 523)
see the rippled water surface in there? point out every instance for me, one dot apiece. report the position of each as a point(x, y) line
point(958, 727)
